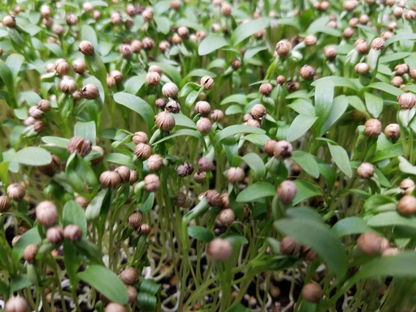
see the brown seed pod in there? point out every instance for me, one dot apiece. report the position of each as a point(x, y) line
point(283, 47)
point(286, 191)
point(170, 90)
point(164, 46)
point(220, 249)
point(152, 79)
point(372, 128)
point(148, 15)
point(309, 254)
point(79, 66)
point(30, 252)
point(310, 40)
point(71, 19)
point(266, 89)
point(397, 81)
point(82, 201)
point(90, 92)
point(292, 86)
point(205, 164)
point(45, 10)
point(73, 233)
point(330, 53)
point(35, 112)
point(155, 162)
point(214, 198)
point(362, 47)
point(412, 73)
point(165, 121)
point(160, 103)
point(61, 67)
point(200, 177)
point(207, 82)
point(226, 10)
point(116, 18)
point(204, 125)
point(16, 191)
point(203, 108)
point(87, 7)
point(133, 176)
point(235, 174)
point(401, 69)
point(143, 150)
point(55, 234)
point(110, 179)
point(136, 45)
point(350, 5)
point(269, 147)
point(280, 79)
point(99, 158)
point(125, 50)
point(123, 172)
point(135, 220)
point(16, 304)
point(38, 126)
point(67, 85)
point(183, 32)
point(140, 137)
point(79, 145)
point(46, 213)
point(148, 43)
point(312, 292)
point(235, 64)
point(152, 182)
point(217, 115)
point(307, 72)
point(144, 229)
point(407, 205)
point(132, 293)
point(227, 216)
point(44, 105)
point(407, 100)
point(114, 307)
point(173, 107)
point(407, 186)
point(258, 111)
point(50, 169)
point(9, 21)
point(283, 149)
point(179, 199)
point(371, 243)
point(392, 131)
point(129, 276)
point(58, 30)
point(363, 19)
point(365, 170)
point(348, 33)
point(185, 169)
point(362, 68)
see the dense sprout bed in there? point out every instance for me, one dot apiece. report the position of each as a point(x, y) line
point(208, 156)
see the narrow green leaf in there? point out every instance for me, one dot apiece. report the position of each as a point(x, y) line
point(182, 132)
point(94, 207)
point(236, 129)
point(248, 29)
point(32, 156)
point(211, 44)
point(106, 282)
point(200, 233)
point(307, 163)
point(136, 104)
point(324, 95)
point(340, 157)
point(351, 225)
point(148, 204)
point(374, 104)
point(305, 189)
point(86, 130)
point(256, 191)
point(300, 126)
point(256, 164)
point(391, 218)
point(385, 87)
point(74, 214)
point(320, 239)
